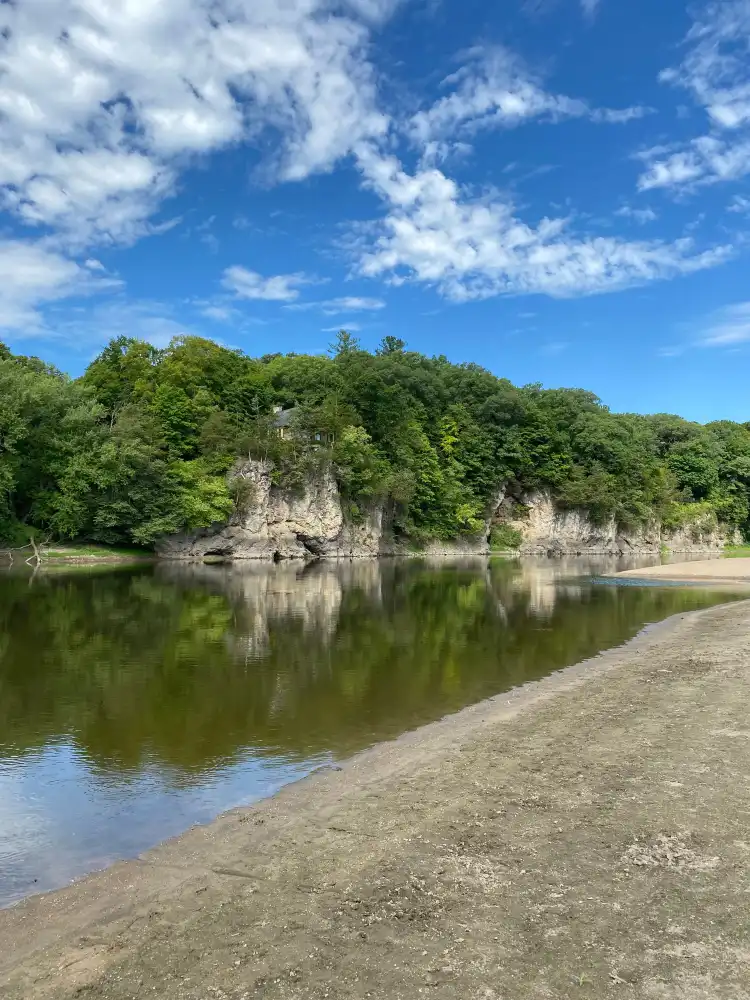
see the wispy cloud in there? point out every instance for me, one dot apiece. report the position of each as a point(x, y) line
point(434, 233)
point(246, 284)
point(639, 215)
point(553, 348)
point(716, 71)
point(728, 328)
point(740, 205)
point(345, 304)
point(33, 275)
point(350, 327)
point(221, 314)
point(495, 89)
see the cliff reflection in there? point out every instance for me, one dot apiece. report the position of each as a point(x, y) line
point(190, 667)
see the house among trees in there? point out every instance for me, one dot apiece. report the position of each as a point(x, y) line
point(287, 424)
point(283, 420)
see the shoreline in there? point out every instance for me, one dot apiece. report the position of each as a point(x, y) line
point(340, 825)
point(78, 556)
point(706, 571)
point(14, 558)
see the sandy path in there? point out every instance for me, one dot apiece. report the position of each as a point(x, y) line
point(710, 570)
point(588, 837)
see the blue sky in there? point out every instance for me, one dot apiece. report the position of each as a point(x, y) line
point(555, 189)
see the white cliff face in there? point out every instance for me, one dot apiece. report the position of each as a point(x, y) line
point(549, 529)
point(279, 524)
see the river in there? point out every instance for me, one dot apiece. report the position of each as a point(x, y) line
point(135, 702)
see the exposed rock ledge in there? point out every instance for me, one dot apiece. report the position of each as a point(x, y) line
point(549, 530)
point(279, 524)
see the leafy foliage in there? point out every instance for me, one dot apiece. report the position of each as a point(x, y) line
point(141, 445)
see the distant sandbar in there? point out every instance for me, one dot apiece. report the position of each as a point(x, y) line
point(704, 570)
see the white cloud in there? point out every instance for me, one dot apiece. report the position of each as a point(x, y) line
point(589, 7)
point(639, 215)
point(620, 116)
point(101, 104)
point(101, 108)
point(740, 205)
point(672, 351)
point(729, 328)
point(496, 89)
point(706, 160)
point(251, 285)
point(716, 70)
point(553, 348)
point(349, 327)
point(104, 102)
point(222, 314)
point(373, 10)
point(347, 303)
point(473, 249)
point(32, 275)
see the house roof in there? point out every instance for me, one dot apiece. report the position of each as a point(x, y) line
point(285, 417)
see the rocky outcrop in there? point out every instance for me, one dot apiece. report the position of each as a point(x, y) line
point(274, 524)
point(547, 529)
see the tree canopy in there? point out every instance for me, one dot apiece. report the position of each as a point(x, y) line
point(141, 445)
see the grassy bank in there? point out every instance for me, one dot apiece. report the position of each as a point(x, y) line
point(737, 552)
point(57, 554)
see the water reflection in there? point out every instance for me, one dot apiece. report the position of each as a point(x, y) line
point(136, 702)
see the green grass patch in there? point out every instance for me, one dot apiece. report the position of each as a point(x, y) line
point(61, 553)
point(737, 552)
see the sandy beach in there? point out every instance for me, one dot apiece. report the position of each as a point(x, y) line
point(586, 836)
point(700, 571)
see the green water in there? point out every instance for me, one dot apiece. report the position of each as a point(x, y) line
point(136, 702)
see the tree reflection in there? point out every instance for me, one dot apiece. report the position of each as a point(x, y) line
point(189, 666)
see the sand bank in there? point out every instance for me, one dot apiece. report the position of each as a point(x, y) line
point(701, 571)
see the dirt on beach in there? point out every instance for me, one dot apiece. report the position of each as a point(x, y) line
point(587, 836)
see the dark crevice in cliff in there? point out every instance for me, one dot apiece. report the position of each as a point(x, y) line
point(313, 546)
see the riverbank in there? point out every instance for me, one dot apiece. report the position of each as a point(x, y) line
point(735, 570)
point(568, 839)
point(58, 555)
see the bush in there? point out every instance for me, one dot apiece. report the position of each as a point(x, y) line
point(503, 537)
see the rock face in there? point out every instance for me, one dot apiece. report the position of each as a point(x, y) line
point(549, 530)
point(278, 524)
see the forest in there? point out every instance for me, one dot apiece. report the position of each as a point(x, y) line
point(143, 443)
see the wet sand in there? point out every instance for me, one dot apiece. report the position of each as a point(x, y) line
point(585, 836)
point(701, 571)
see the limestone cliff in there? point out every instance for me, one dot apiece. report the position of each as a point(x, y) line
point(281, 524)
point(548, 529)
point(274, 523)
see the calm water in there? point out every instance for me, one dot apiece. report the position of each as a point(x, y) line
point(136, 702)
